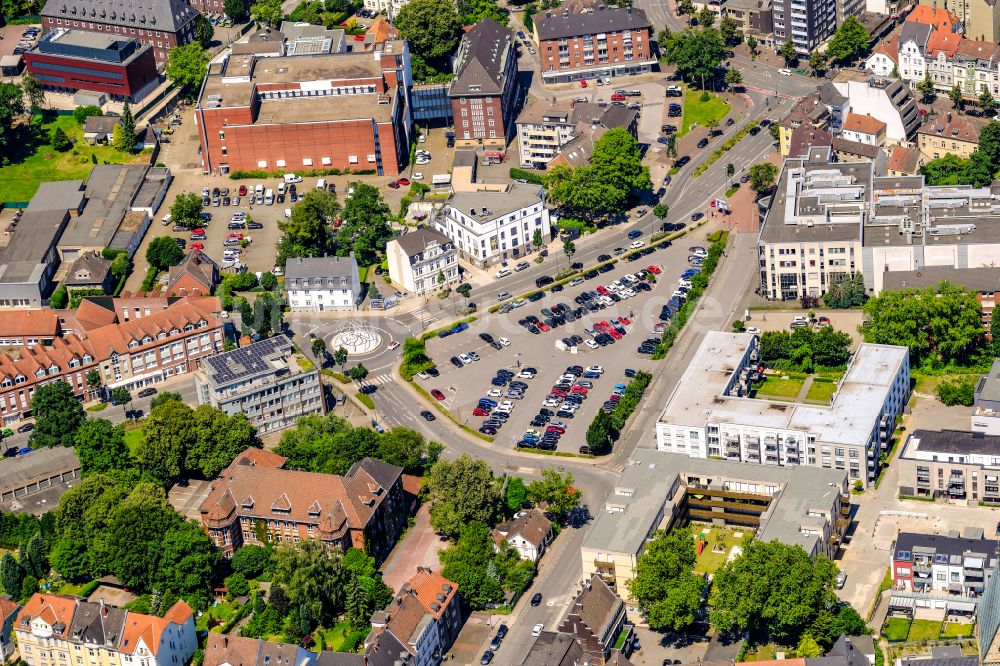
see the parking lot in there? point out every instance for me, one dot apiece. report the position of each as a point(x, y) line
point(462, 388)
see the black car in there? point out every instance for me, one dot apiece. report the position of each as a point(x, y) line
point(537, 296)
point(604, 257)
point(495, 643)
point(681, 161)
point(577, 265)
point(590, 275)
point(697, 216)
point(27, 427)
point(427, 415)
point(702, 143)
point(368, 389)
point(502, 631)
point(488, 431)
point(456, 361)
point(544, 280)
point(604, 268)
point(536, 600)
point(146, 392)
point(254, 225)
point(486, 337)
point(754, 131)
point(487, 657)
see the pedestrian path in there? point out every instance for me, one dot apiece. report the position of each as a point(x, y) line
point(424, 315)
point(378, 380)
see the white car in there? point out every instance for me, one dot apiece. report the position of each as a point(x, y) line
point(506, 405)
point(494, 393)
point(752, 329)
point(800, 319)
point(392, 345)
point(785, 72)
point(576, 281)
point(502, 273)
point(595, 368)
point(504, 341)
point(591, 344)
point(537, 629)
point(518, 303)
point(636, 244)
point(465, 358)
point(504, 295)
point(526, 374)
point(423, 375)
point(418, 175)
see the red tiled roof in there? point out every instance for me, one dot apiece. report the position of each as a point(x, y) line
point(430, 587)
point(149, 628)
point(938, 17)
point(53, 609)
point(855, 122)
point(943, 42)
point(6, 608)
point(889, 47)
point(903, 159)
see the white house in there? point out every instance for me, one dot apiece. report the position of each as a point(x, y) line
point(529, 533)
point(490, 227)
point(417, 260)
point(319, 284)
point(864, 129)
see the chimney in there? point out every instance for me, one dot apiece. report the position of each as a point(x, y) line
point(949, 116)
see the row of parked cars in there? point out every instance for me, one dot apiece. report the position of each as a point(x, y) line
point(498, 403)
point(562, 402)
point(27, 37)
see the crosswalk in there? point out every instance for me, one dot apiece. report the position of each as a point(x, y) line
point(424, 315)
point(378, 380)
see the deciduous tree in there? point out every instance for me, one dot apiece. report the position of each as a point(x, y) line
point(308, 233)
point(431, 27)
point(665, 586)
point(163, 252)
point(696, 53)
point(366, 228)
point(58, 415)
point(188, 64)
point(849, 41)
point(186, 208)
point(267, 12)
point(462, 491)
point(926, 89)
point(556, 490)
point(788, 52)
point(100, 445)
point(762, 177)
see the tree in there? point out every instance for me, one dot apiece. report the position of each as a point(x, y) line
point(100, 446)
point(556, 490)
point(849, 41)
point(29, 586)
point(124, 138)
point(365, 229)
point(568, 249)
point(808, 648)
point(706, 17)
point(733, 79)
point(685, 8)
point(945, 170)
point(995, 335)
point(788, 52)
point(217, 439)
point(660, 211)
point(989, 141)
point(94, 379)
point(268, 281)
point(470, 563)
point(34, 556)
point(696, 53)
point(462, 491)
point(57, 414)
point(11, 575)
point(164, 397)
point(163, 253)
point(358, 373)
point(167, 437)
point(319, 348)
point(978, 170)
point(312, 578)
point(665, 586)
point(187, 66)
point(33, 91)
point(926, 89)
point(59, 140)
point(729, 29)
point(81, 113)
point(516, 494)
point(120, 265)
point(957, 392)
point(762, 177)
point(537, 240)
point(203, 30)
point(817, 62)
point(59, 298)
point(601, 433)
point(186, 208)
point(431, 27)
point(252, 561)
point(340, 356)
point(235, 9)
point(11, 106)
point(121, 395)
point(186, 562)
point(895, 71)
point(237, 585)
point(752, 46)
point(955, 95)
point(267, 12)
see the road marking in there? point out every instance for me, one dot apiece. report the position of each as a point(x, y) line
point(380, 379)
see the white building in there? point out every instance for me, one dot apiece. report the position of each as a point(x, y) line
point(939, 570)
point(709, 414)
point(319, 284)
point(419, 258)
point(885, 99)
point(529, 533)
point(490, 227)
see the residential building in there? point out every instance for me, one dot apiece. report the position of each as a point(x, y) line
point(439, 597)
point(318, 284)
point(564, 132)
point(100, 129)
point(808, 24)
point(809, 112)
point(345, 111)
point(567, 40)
point(942, 655)
point(418, 259)
point(949, 133)
point(23, 476)
point(812, 233)
point(712, 413)
point(68, 61)
point(55, 629)
point(903, 161)
point(864, 129)
point(160, 24)
point(942, 571)
point(528, 532)
point(306, 39)
point(554, 649)
point(235, 650)
point(887, 100)
point(264, 382)
point(424, 618)
point(597, 621)
point(753, 17)
point(490, 227)
point(854, 151)
point(986, 406)
point(485, 90)
point(196, 275)
point(952, 464)
point(803, 506)
point(980, 19)
point(89, 271)
point(988, 622)
point(852, 651)
point(805, 138)
point(20, 328)
point(8, 613)
point(362, 509)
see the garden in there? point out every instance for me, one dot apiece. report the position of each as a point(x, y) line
point(718, 543)
point(703, 112)
point(900, 629)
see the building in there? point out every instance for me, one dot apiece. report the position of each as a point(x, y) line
point(307, 39)
point(363, 509)
point(160, 24)
point(564, 132)
point(59, 629)
point(528, 532)
point(8, 613)
point(234, 650)
point(712, 414)
point(884, 99)
point(42, 469)
point(803, 506)
point(988, 623)
point(29, 328)
point(807, 24)
point(942, 572)
point(439, 597)
point(903, 161)
point(29, 262)
point(68, 61)
point(196, 275)
point(485, 90)
point(319, 284)
point(986, 406)
point(753, 17)
point(864, 129)
point(554, 649)
point(418, 259)
point(345, 111)
point(597, 621)
point(89, 271)
point(490, 227)
point(566, 43)
point(809, 112)
point(949, 133)
point(262, 381)
point(952, 464)
point(980, 19)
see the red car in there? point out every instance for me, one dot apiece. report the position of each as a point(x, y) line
point(624, 321)
point(394, 185)
point(615, 397)
point(615, 334)
point(583, 83)
point(579, 389)
point(479, 411)
point(655, 270)
point(437, 394)
point(602, 290)
point(605, 325)
point(403, 181)
point(542, 326)
point(558, 392)
point(243, 190)
point(198, 245)
point(555, 428)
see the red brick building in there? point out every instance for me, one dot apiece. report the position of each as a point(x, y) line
point(484, 92)
point(72, 60)
point(304, 112)
point(600, 41)
point(162, 24)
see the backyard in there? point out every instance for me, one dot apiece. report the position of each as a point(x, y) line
point(34, 160)
point(340, 638)
point(718, 544)
point(898, 629)
point(702, 113)
point(133, 438)
point(217, 614)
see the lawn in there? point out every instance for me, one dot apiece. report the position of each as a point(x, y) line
point(341, 638)
point(957, 630)
point(34, 160)
point(780, 387)
point(766, 652)
point(133, 438)
point(896, 629)
point(221, 612)
point(697, 111)
point(709, 561)
point(924, 630)
point(821, 390)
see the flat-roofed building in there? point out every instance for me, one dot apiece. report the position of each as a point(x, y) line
point(947, 572)
point(951, 464)
point(41, 469)
point(711, 413)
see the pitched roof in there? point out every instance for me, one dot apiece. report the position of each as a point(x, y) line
point(100, 124)
point(98, 624)
point(380, 31)
point(416, 241)
point(432, 590)
point(939, 17)
point(483, 55)
point(196, 266)
point(29, 323)
point(598, 605)
point(7, 608)
point(56, 610)
point(806, 136)
point(532, 526)
point(386, 650)
point(89, 268)
point(903, 159)
point(239, 651)
point(855, 122)
point(148, 629)
point(955, 127)
point(976, 49)
point(405, 615)
point(255, 457)
point(554, 23)
point(918, 33)
point(889, 47)
point(174, 315)
point(168, 15)
point(943, 42)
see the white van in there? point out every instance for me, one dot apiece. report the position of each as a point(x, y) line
point(269, 197)
point(292, 178)
point(259, 189)
point(288, 213)
point(167, 219)
point(321, 184)
point(281, 187)
point(503, 272)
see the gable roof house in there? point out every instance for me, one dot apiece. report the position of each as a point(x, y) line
point(98, 129)
point(233, 650)
point(529, 533)
point(597, 620)
point(89, 271)
point(196, 275)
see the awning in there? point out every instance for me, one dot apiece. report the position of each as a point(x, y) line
point(965, 606)
point(493, 153)
point(954, 587)
point(901, 602)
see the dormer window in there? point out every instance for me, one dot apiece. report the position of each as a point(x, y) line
point(247, 502)
point(40, 373)
point(53, 369)
point(87, 358)
point(146, 340)
point(74, 362)
point(189, 327)
point(20, 379)
point(161, 335)
point(133, 343)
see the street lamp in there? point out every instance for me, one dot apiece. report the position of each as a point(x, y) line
point(517, 357)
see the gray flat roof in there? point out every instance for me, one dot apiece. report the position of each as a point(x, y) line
point(499, 204)
point(39, 464)
point(57, 195)
point(37, 232)
point(977, 279)
point(954, 442)
point(110, 191)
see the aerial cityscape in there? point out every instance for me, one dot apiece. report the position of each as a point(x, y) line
point(515, 332)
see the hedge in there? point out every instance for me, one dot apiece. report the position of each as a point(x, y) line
point(312, 173)
point(415, 358)
point(521, 174)
point(149, 280)
point(724, 148)
point(365, 400)
point(430, 334)
point(630, 399)
point(343, 379)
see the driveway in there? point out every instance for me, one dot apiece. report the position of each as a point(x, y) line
point(419, 548)
point(187, 500)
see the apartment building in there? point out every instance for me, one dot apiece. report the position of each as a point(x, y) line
point(528, 532)
point(424, 618)
point(262, 381)
point(986, 405)
point(419, 258)
point(8, 613)
point(363, 509)
point(943, 571)
point(55, 630)
point(161, 24)
point(599, 41)
point(485, 91)
point(803, 506)
point(863, 129)
point(555, 132)
point(488, 227)
point(345, 111)
point(979, 19)
point(949, 133)
point(598, 622)
point(753, 17)
point(808, 23)
point(887, 100)
point(951, 464)
point(711, 413)
point(322, 284)
point(235, 650)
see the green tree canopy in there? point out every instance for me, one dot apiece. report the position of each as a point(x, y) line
point(665, 586)
point(788, 52)
point(186, 208)
point(762, 176)
point(267, 12)
point(11, 106)
point(926, 89)
point(187, 66)
point(235, 9)
point(309, 233)
point(100, 446)
point(697, 54)
point(58, 415)
point(555, 489)
point(163, 252)
point(431, 27)
point(849, 41)
point(366, 228)
point(462, 491)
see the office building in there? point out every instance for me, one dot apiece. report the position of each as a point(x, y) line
point(345, 111)
point(550, 132)
point(68, 61)
point(160, 24)
point(599, 41)
point(951, 464)
point(262, 381)
point(711, 413)
point(485, 90)
point(490, 227)
point(318, 284)
point(419, 258)
point(947, 572)
point(802, 506)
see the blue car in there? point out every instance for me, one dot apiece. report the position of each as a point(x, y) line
point(635, 233)
point(486, 402)
point(620, 386)
point(445, 333)
point(528, 437)
point(691, 272)
point(591, 375)
point(460, 327)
